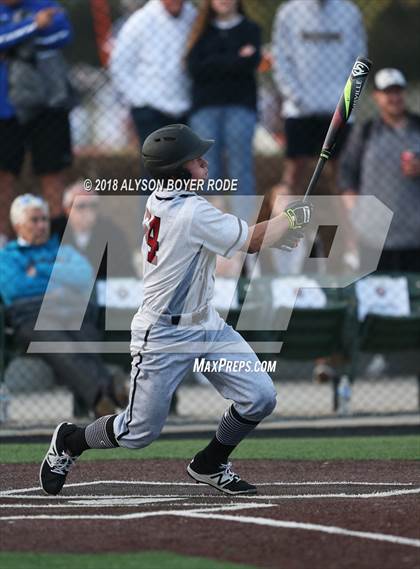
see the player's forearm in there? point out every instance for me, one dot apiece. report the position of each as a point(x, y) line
point(265, 234)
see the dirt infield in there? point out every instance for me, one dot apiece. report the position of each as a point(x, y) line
point(327, 515)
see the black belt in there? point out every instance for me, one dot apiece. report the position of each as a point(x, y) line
point(196, 318)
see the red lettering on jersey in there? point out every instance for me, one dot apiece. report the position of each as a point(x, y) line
point(152, 239)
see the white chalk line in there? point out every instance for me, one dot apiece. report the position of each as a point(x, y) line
point(138, 515)
point(154, 483)
point(309, 527)
point(208, 514)
point(63, 497)
point(135, 500)
point(122, 505)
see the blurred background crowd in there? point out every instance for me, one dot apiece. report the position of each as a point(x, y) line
point(83, 82)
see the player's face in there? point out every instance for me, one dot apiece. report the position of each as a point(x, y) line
point(35, 227)
point(391, 101)
point(198, 168)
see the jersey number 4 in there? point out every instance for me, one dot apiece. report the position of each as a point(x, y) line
point(152, 237)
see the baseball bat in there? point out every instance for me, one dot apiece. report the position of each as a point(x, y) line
point(341, 115)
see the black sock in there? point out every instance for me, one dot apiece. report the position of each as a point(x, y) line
point(76, 442)
point(99, 434)
point(232, 429)
point(215, 454)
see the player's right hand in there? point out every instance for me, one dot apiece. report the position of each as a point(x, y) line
point(290, 240)
point(298, 214)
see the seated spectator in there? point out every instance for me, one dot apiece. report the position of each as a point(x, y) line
point(29, 265)
point(83, 227)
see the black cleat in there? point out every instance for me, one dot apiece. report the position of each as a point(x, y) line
point(223, 479)
point(57, 462)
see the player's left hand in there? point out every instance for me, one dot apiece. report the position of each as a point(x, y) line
point(298, 214)
point(290, 240)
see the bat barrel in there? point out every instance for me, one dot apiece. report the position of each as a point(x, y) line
point(348, 99)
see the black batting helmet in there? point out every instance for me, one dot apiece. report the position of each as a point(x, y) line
point(168, 148)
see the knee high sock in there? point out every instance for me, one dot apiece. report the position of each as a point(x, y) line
point(230, 432)
point(99, 434)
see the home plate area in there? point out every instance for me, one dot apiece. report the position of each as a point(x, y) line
point(291, 522)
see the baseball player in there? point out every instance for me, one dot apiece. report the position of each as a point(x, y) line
point(177, 323)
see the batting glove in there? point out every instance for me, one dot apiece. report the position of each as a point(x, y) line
point(299, 214)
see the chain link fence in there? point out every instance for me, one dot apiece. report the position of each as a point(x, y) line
point(80, 89)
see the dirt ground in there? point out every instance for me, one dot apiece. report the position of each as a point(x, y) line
point(318, 515)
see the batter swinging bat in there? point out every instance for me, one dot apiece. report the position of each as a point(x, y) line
point(341, 115)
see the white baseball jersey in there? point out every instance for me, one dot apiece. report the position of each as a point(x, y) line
point(183, 235)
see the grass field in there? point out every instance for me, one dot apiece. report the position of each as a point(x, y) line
point(153, 560)
point(317, 448)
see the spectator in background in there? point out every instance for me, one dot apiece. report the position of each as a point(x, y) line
point(382, 158)
point(147, 64)
point(26, 270)
point(88, 231)
point(34, 98)
point(223, 55)
point(314, 46)
point(127, 9)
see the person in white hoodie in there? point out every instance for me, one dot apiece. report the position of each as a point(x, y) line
point(315, 44)
point(147, 64)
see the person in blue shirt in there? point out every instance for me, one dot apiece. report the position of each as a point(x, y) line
point(33, 30)
point(35, 264)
